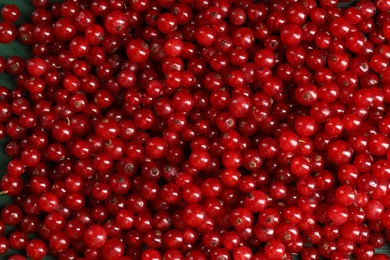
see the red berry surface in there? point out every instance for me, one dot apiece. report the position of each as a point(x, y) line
point(204, 129)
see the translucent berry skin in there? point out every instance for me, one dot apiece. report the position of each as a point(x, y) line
point(95, 236)
point(291, 35)
point(137, 51)
point(10, 13)
point(8, 32)
point(36, 248)
point(340, 152)
point(196, 130)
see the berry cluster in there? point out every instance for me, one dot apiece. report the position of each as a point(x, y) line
point(197, 129)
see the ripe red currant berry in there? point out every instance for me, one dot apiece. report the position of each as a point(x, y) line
point(274, 249)
point(36, 67)
point(291, 35)
point(338, 62)
point(256, 201)
point(155, 147)
point(95, 236)
point(58, 240)
point(167, 23)
point(36, 249)
point(241, 218)
point(199, 159)
point(194, 215)
point(340, 152)
point(116, 22)
point(338, 214)
point(8, 32)
point(10, 13)
point(48, 202)
point(288, 141)
point(137, 50)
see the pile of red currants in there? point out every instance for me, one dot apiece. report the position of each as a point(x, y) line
point(197, 129)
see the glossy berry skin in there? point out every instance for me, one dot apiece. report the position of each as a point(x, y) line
point(48, 202)
point(115, 22)
point(36, 248)
point(274, 249)
point(30, 157)
point(4, 245)
point(194, 215)
point(199, 159)
point(137, 51)
point(256, 201)
point(199, 130)
point(288, 141)
point(167, 23)
point(338, 62)
point(340, 152)
point(7, 32)
point(300, 166)
point(155, 147)
point(338, 214)
point(95, 236)
point(241, 218)
point(36, 67)
point(113, 248)
point(59, 240)
point(291, 35)
point(64, 30)
point(10, 13)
